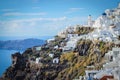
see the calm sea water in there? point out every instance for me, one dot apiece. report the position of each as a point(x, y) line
point(5, 59)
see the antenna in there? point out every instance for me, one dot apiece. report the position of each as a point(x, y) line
point(118, 4)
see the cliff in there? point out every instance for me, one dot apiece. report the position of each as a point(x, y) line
point(71, 64)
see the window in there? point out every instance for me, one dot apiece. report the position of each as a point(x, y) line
point(116, 53)
point(111, 58)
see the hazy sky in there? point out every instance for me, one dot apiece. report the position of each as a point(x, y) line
point(47, 17)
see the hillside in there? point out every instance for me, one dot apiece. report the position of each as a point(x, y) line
point(71, 65)
point(51, 62)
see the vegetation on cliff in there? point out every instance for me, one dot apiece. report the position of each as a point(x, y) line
point(83, 30)
point(71, 65)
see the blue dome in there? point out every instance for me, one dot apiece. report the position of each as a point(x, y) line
point(89, 15)
point(104, 14)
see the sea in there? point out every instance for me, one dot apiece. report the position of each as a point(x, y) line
point(5, 59)
point(5, 55)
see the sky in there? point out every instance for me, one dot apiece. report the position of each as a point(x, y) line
point(47, 17)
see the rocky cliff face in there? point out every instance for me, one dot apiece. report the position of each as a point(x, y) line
point(71, 64)
point(16, 70)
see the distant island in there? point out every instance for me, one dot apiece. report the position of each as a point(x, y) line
point(21, 44)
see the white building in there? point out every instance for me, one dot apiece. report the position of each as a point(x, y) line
point(90, 74)
point(66, 48)
point(107, 18)
point(62, 34)
point(109, 56)
point(116, 73)
point(112, 55)
point(107, 28)
point(49, 40)
point(37, 60)
point(70, 30)
point(76, 27)
point(108, 12)
point(51, 55)
point(102, 22)
point(103, 73)
point(56, 60)
point(56, 47)
point(72, 35)
point(112, 65)
point(71, 44)
point(90, 21)
point(38, 48)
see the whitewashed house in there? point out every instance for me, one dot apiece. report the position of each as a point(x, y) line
point(109, 56)
point(116, 52)
point(72, 35)
point(90, 74)
point(112, 55)
point(67, 48)
point(116, 73)
point(102, 35)
point(38, 48)
point(108, 12)
point(103, 73)
point(113, 12)
point(56, 47)
point(108, 24)
point(76, 27)
point(109, 39)
point(71, 44)
point(56, 60)
point(117, 43)
point(51, 55)
point(110, 65)
point(70, 30)
point(37, 60)
point(90, 21)
point(113, 64)
point(49, 40)
point(62, 34)
point(109, 29)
